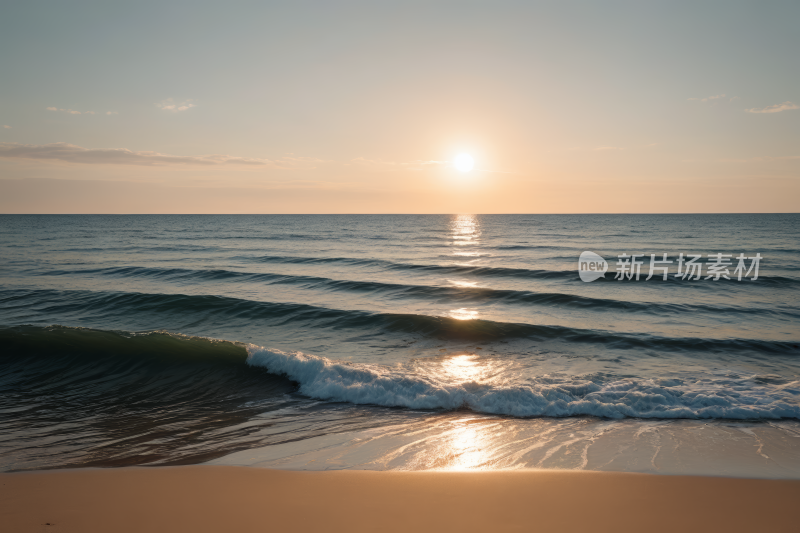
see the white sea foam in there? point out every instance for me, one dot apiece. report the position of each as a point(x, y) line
point(728, 396)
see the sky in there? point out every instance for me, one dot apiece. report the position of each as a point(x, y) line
point(362, 107)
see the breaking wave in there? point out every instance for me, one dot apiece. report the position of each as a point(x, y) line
point(730, 397)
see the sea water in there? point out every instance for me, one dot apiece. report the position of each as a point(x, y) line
point(400, 342)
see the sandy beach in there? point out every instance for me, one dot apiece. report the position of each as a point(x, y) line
point(213, 499)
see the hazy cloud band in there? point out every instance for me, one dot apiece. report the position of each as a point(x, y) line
point(71, 153)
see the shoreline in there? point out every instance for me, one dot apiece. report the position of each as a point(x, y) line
point(242, 499)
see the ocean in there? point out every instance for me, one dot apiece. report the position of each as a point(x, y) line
point(400, 342)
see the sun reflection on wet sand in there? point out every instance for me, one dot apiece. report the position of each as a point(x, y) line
point(466, 447)
point(461, 440)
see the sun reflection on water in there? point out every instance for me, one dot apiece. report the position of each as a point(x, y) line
point(465, 313)
point(463, 367)
point(464, 230)
point(465, 445)
point(461, 283)
point(471, 371)
point(465, 233)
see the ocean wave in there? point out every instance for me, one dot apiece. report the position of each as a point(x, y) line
point(78, 364)
point(93, 370)
point(64, 341)
point(498, 272)
point(437, 292)
point(84, 397)
point(415, 267)
point(13, 303)
point(727, 397)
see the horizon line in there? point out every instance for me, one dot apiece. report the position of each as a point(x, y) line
point(402, 214)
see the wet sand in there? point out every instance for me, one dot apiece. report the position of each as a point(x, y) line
point(221, 498)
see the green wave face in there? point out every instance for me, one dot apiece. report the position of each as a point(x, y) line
point(111, 398)
point(28, 341)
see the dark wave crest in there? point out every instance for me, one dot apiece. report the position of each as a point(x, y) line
point(454, 295)
point(493, 272)
point(134, 398)
point(192, 307)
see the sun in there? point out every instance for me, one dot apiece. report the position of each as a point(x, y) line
point(464, 162)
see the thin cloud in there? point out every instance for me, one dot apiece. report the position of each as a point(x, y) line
point(6, 126)
point(73, 112)
point(761, 159)
point(365, 161)
point(418, 164)
point(171, 105)
point(606, 148)
point(712, 99)
point(71, 153)
point(70, 111)
point(777, 108)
